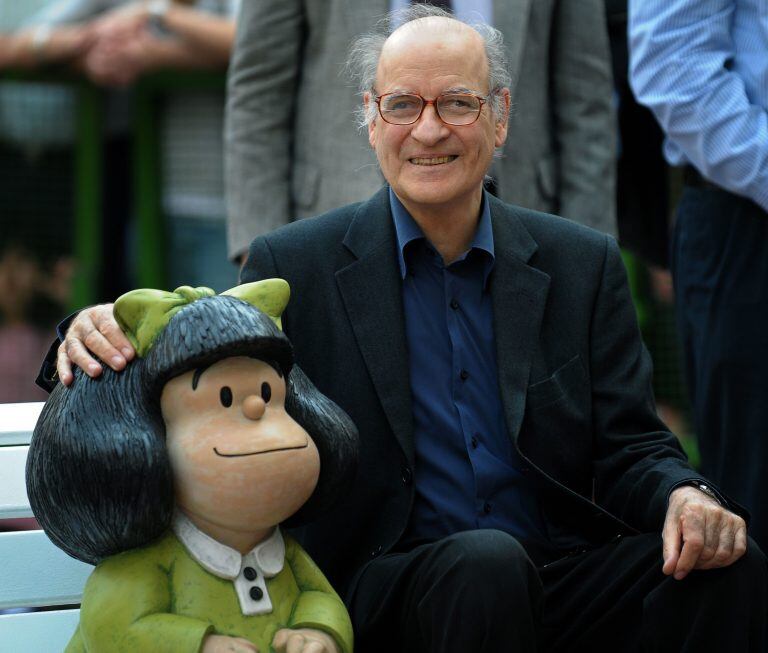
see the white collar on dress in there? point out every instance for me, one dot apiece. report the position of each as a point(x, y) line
point(224, 561)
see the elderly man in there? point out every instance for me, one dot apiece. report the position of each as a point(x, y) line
point(516, 491)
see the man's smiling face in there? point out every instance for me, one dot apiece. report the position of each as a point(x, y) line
point(430, 163)
point(239, 460)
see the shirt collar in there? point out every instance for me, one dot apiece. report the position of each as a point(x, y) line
point(223, 561)
point(407, 231)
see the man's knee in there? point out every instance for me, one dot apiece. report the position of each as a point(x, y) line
point(485, 562)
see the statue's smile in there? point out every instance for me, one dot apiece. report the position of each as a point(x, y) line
point(256, 453)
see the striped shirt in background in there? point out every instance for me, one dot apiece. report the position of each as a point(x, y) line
point(701, 66)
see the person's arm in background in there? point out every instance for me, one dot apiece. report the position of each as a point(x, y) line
point(262, 92)
point(585, 124)
point(127, 47)
point(57, 33)
point(681, 55)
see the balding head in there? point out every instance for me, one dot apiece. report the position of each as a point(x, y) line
point(411, 22)
point(440, 35)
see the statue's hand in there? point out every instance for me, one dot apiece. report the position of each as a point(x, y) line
point(93, 332)
point(304, 640)
point(224, 644)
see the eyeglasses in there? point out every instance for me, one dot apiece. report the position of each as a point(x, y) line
point(451, 108)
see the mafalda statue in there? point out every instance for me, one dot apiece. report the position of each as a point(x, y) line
point(174, 477)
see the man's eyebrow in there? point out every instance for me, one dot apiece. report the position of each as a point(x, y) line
point(196, 376)
point(458, 89)
point(452, 89)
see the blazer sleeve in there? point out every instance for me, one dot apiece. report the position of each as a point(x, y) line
point(637, 460)
point(262, 87)
point(584, 120)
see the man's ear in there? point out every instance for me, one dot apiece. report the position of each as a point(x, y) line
point(367, 99)
point(502, 121)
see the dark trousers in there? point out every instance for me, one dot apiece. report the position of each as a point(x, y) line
point(479, 592)
point(720, 268)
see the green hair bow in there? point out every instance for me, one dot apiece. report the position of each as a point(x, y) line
point(142, 314)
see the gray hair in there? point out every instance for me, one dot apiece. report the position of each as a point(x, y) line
point(366, 50)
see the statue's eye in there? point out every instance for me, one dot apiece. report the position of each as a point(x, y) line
point(266, 392)
point(225, 396)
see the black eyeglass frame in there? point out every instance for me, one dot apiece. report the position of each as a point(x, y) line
point(424, 102)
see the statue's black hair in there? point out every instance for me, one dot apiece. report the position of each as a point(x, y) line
point(98, 474)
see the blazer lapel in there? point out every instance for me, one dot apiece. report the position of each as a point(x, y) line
point(519, 295)
point(371, 291)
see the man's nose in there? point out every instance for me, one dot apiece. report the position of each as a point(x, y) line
point(254, 407)
point(429, 129)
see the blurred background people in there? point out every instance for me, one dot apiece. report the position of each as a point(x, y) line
point(701, 66)
point(114, 45)
point(119, 42)
point(292, 152)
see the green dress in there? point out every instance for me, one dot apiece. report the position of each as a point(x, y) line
point(158, 598)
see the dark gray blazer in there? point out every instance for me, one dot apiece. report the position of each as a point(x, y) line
point(575, 378)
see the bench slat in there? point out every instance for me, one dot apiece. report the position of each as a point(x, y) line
point(17, 421)
point(36, 573)
point(13, 496)
point(41, 632)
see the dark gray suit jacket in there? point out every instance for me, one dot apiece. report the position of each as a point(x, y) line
point(574, 376)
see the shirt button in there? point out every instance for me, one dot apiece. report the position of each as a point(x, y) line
point(454, 304)
point(474, 442)
point(463, 375)
point(250, 573)
point(376, 551)
point(407, 476)
point(256, 593)
point(486, 508)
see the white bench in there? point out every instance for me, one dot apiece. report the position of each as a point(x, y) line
point(33, 572)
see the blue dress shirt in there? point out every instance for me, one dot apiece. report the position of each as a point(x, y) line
point(702, 68)
point(468, 471)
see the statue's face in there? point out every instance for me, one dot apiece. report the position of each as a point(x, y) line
point(239, 460)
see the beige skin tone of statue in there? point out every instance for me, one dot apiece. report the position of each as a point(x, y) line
point(437, 171)
point(240, 470)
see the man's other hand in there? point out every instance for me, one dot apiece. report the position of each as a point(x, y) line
point(700, 534)
point(94, 332)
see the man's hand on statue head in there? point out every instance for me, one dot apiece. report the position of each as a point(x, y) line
point(700, 534)
point(94, 334)
point(303, 640)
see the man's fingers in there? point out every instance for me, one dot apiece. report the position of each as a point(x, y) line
point(723, 554)
point(94, 333)
point(78, 354)
point(693, 531)
point(671, 543)
point(63, 366)
point(713, 526)
point(97, 344)
point(733, 544)
point(107, 325)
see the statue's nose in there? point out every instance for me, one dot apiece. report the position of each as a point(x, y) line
point(254, 407)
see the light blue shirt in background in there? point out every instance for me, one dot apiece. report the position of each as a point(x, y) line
point(701, 66)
